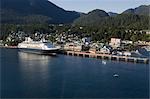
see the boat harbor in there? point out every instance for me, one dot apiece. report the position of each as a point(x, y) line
point(108, 57)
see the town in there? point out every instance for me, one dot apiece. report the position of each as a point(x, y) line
point(75, 49)
point(72, 41)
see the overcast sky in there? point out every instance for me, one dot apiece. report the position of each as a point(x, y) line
point(107, 5)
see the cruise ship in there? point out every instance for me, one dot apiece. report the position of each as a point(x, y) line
point(38, 47)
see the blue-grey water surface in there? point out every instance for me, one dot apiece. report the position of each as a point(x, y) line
point(25, 75)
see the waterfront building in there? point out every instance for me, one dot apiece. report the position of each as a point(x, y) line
point(115, 42)
point(143, 43)
point(86, 39)
point(1, 43)
point(94, 45)
point(92, 50)
point(126, 42)
point(105, 50)
point(72, 47)
point(8, 39)
point(146, 31)
point(127, 53)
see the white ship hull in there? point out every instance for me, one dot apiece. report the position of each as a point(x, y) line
point(37, 47)
point(39, 51)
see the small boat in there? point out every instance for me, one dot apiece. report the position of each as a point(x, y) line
point(104, 62)
point(116, 75)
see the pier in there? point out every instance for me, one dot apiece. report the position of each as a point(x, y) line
point(109, 57)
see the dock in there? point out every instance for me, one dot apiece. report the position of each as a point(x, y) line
point(109, 57)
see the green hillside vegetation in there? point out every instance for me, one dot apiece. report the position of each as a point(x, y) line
point(103, 28)
point(15, 18)
point(129, 21)
point(141, 10)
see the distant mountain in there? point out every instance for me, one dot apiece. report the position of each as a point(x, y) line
point(98, 13)
point(120, 20)
point(34, 11)
point(44, 11)
point(99, 18)
point(112, 14)
point(141, 10)
point(92, 17)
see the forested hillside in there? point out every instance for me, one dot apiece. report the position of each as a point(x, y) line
point(34, 11)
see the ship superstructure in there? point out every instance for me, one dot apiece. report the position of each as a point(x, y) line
point(42, 47)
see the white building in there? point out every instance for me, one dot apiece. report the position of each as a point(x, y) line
point(1, 43)
point(105, 50)
point(127, 42)
point(115, 42)
point(127, 53)
point(86, 39)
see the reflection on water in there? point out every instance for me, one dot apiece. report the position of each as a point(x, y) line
point(32, 57)
point(32, 62)
point(34, 68)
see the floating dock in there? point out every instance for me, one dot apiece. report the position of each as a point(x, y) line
point(109, 57)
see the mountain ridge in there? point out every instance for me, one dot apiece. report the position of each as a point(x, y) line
point(38, 7)
point(141, 10)
point(44, 11)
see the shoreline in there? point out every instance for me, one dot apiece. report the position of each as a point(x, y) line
point(9, 47)
point(101, 56)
